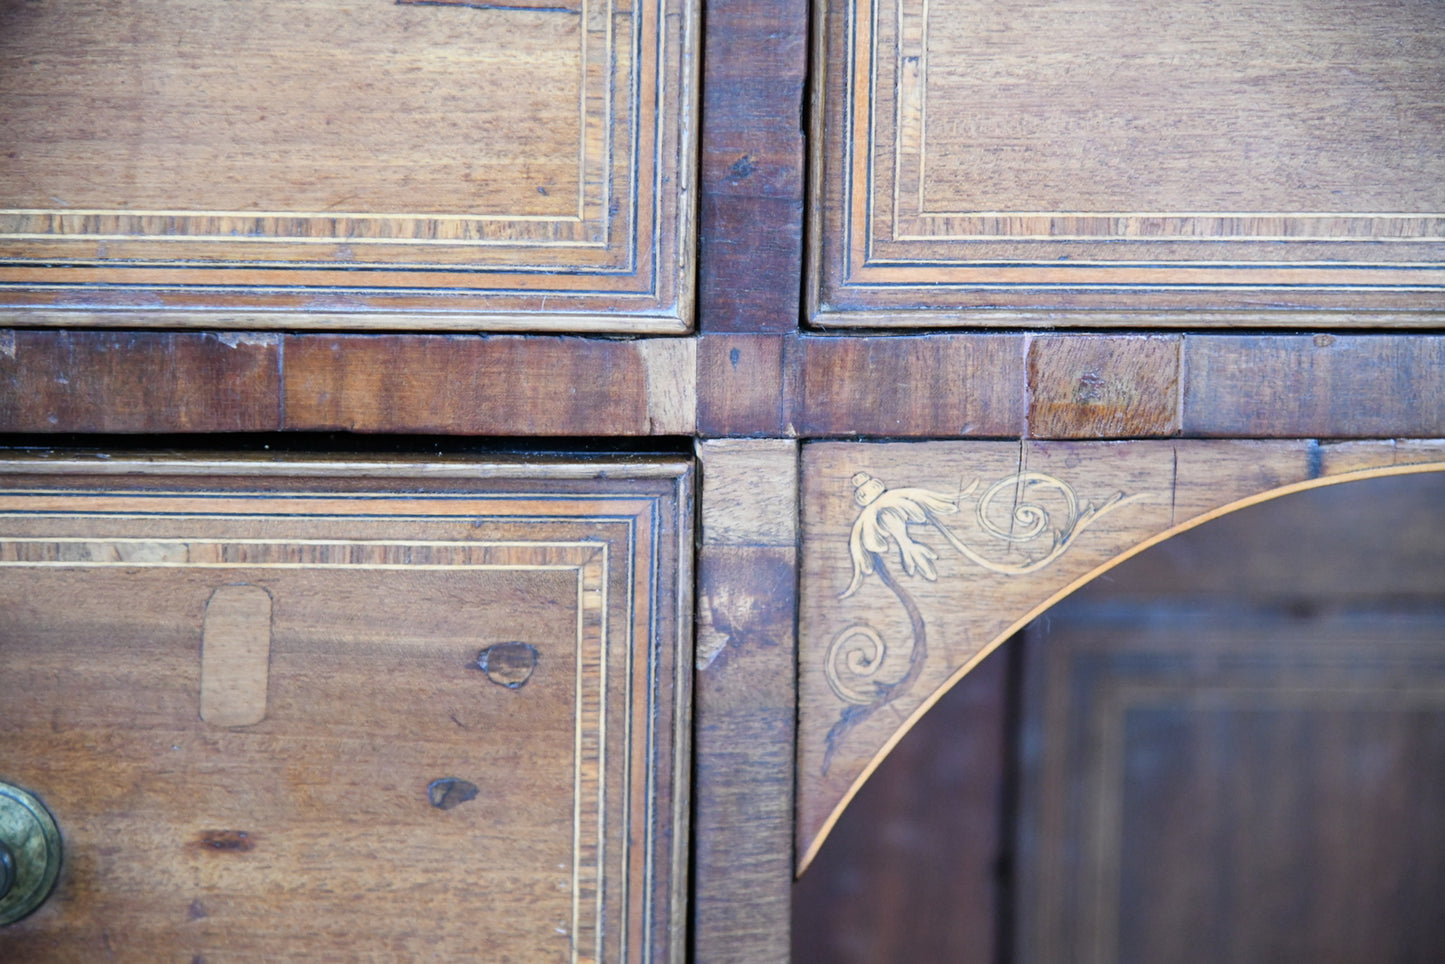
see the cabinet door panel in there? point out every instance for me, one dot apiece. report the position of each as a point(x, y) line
point(1225, 782)
point(1004, 160)
point(464, 740)
point(405, 165)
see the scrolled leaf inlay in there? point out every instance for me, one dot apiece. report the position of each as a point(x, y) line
point(1028, 514)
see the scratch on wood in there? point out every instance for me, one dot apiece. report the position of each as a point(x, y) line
point(1173, 485)
point(235, 841)
point(7, 342)
point(521, 7)
point(1018, 486)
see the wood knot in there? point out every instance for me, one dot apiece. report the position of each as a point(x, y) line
point(450, 792)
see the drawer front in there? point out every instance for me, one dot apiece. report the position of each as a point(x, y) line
point(412, 164)
point(1114, 162)
point(349, 713)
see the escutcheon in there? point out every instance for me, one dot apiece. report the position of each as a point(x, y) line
point(29, 853)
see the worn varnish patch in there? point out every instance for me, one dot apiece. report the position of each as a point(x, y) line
point(236, 656)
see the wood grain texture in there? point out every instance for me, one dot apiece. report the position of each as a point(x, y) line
point(393, 796)
point(1364, 544)
point(750, 215)
point(919, 558)
point(749, 492)
point(62, 381)
point(1103, 386)
point(740, 385)
point(1115, 162)
point(501, 385)
point(914, 387)
point(939, 385)
point(394, 165)
point(1322, 385)
point(745, 702)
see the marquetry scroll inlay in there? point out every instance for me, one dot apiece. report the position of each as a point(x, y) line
point(1029, 518)
point(904, 589)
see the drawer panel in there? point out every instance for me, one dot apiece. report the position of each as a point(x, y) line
point(1111, 162)
point(279, 715)
point(417, 164)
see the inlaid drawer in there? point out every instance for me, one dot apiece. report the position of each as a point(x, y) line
point(1114, 163)
point(402, 164)
point(314, 711)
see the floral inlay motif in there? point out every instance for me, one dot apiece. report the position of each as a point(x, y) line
point(1031, 519)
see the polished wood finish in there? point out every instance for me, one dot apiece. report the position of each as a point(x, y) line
point(1366, 544)
point(750, 253)
point(415, 784)
point(740, 385)
point(332, 165)
point(926, 386)
point(392, 369)
point(746, 703)
point(139, 382)
point(918, 386)
point(499, 385)
point(918, 852)
point(169, 382)
point(1227, 783)
point(1110, 163)
point(1314, 385)
point(919, 558)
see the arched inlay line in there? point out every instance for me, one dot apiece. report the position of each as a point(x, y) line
point(1171, 487)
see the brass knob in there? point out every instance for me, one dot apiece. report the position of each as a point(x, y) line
point(29, 853)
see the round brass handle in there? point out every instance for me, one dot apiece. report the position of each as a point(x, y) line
point(29, 853)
